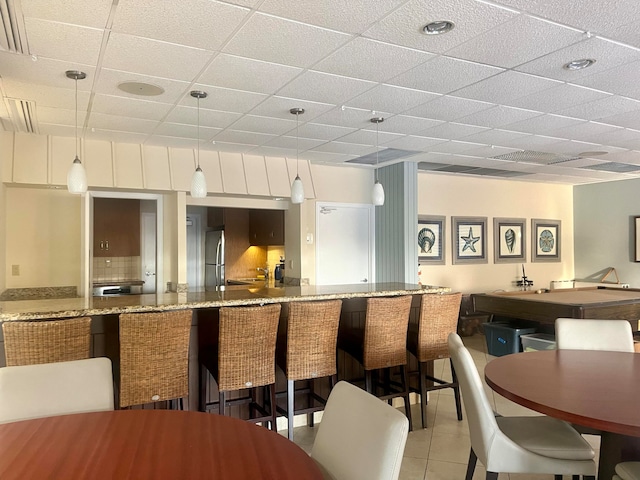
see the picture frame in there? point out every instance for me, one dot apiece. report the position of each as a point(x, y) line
point(430, 238)
point(546, 240)
point(509, 244)
point(636, 239)
point(469, 240)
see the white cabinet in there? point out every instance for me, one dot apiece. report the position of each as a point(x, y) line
point(30, 159)
point(256, 174)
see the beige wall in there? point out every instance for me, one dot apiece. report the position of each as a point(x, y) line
point(170, 240)
point(6, 153)
point(472, 196)
point(42, 238)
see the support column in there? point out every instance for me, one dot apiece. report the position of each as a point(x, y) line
point(396, 225)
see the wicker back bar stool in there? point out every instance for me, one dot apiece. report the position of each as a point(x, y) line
point(382, 345)
point(309, 353)
point(245, 359)
point(46, 341)
point(428, 341)
point(154, 357)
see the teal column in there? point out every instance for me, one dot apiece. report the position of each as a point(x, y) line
point(396, 249)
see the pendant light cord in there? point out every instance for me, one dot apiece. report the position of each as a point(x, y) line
point(198, 133)
point(377, 148)
point(297, 145)
point(76, 78)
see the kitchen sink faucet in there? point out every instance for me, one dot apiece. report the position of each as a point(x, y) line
point(264, 270)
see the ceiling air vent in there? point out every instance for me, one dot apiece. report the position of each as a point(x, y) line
point(23, 115)
point(385, 155)
point(13, 37)
point(539, 158)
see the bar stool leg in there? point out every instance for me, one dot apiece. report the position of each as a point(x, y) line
point(423, 392)
point(368, 384)
point(456, 391)
point(274, 423)
point(405, 385)
point(222, 404)
point(312, 400)
point(204, 376)
point(290, 407)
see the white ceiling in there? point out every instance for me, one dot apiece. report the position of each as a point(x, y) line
point(491, 87)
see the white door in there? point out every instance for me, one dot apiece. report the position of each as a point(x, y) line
point(344, 243)
point(148, 251)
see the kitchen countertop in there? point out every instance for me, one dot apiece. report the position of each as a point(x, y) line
point(230, 296)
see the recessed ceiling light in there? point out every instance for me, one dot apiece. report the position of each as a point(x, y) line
point(579, 64)
point(437, 27)
point(139, 88)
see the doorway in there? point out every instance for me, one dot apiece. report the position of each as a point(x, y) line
point(148, 250)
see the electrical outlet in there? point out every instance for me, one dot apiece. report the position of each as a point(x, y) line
point(15, 270)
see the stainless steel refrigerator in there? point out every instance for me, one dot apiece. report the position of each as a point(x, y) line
point(214, 260)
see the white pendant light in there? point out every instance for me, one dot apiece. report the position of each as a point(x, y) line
point(377, 194)
point(76, 177)
point(297, 188)
point(198, 181)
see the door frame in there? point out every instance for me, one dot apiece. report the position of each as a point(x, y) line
point(87, 235)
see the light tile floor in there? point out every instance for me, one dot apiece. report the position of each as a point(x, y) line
point(441, 451)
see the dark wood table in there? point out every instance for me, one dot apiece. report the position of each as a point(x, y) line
point(589, 302)
point(594, 389)
point(148, 444)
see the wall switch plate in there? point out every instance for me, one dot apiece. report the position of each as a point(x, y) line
point(15, 270)
point(309, 238)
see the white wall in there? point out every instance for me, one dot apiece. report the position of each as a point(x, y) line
point(604, 229)
point(452, 195)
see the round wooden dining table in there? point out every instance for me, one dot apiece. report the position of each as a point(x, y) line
point(595, 389)
point(148, 444)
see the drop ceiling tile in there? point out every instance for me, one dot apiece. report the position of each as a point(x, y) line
point(324, 87)
point(389, 98)
point(371, 60)
point(506, 87)
point(323, 132)
point(444, 75)
point(231, 147)
point(572, 147)
point(169, 141)
point(57, 130)
point(546, 124)
point(270, 125)
point(620, 80)
point(404, 25)
point(197, 23)
point(603, 108)
point(368, 136)
point(584, 131)
point(621, 138)
point(448, 108)
point(151, 57)
point(77, 12)
point(109, 80)
point(240, 73)
point(453, 146)
point(627, 120)
point(62, 41)
point(247, 138)
point(536, 143)
point(124, 124)
point(47, 72)
point(185, 131)
point(133, 107)
point(489, 151)
point(558, 98)
point(408, 125)
point(452, 130)
point(353, 16)
point(414, 142)
point(498, 116)
point(533, 37)
point(116, 136)
point(327, 157)
point(208, 118)
point(345, 148)
point(269, 151)
point(501, 138)
point(290, 143)
point(59, 116)
point(621, 155)
point(280, 107)
point(283, 41)
point(225, 99)
point(607, 55)
point(47, 96)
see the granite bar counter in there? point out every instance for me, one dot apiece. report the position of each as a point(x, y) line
point(230, 296)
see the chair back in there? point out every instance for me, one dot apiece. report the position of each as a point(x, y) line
point(360, 436)
point(48, 389)
point(154, 356)
point(247, 346)
point(438, 318)
point(385, 332)
point(46, 341)
point(312, 333)
point(480, 416)
point(589, 334)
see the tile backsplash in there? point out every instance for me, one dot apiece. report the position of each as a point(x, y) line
point(116, 268)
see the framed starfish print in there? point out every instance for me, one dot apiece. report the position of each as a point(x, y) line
point(469, 239)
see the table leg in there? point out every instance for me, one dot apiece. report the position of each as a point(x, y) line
point(615, 448)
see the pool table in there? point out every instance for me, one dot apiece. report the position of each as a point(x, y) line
point(545, 307)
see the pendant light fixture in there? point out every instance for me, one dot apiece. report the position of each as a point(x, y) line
point(198, 181)
point(76, 177)
point(297, 189)
point(377, 194)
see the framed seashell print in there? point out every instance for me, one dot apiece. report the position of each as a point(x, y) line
point(509, 236)
point(545, 245)
point(430, 237)
point(469, 239)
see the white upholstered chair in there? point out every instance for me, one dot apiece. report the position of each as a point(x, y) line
point(627, 471)
point(539, 444)
point(590, 334)
point(48, 389)
point(360, 436)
